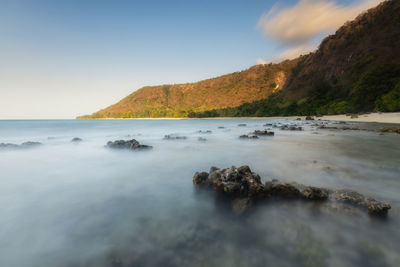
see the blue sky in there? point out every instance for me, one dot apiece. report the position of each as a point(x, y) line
point(60, 59)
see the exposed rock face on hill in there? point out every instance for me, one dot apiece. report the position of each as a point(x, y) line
point(356, 69)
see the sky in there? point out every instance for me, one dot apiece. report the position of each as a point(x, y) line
point(63, 58)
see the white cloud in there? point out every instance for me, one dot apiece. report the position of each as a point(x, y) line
point(261, 61)
point(292, 53)
point(308, 18)
point(296, 27)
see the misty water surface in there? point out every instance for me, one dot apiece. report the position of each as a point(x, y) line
point(81, 204)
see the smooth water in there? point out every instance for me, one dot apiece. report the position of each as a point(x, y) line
point(67, 204)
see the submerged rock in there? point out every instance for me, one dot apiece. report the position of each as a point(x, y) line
point(291, 128)
point(242, 124)
point(245, 136)
point(201, 139)
point(263, 133)
point(76, 140)
point(205, 132)
point(28, 144)
point(127, 144)
point(244, 188)
point(174, 137)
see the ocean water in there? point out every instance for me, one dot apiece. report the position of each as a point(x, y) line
point(82, 204)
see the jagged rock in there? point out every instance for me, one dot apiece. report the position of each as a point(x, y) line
point(355, 198)
point(263, 133)
point(76, 139)
point(245, 136)
point(309, 118)
point(242, 124)
point(127, 144)
point(244, 187)
point(23, 145)
point(174, 137)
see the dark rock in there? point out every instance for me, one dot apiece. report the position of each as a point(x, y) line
point(390, 130)
point(263, 133)
point(174, 137)
point(298, 119)
point(76, 139)
point(28, 144)
point(201, 139)
point(242, 125)
point(353, 116)
point(309, 118)
point(221, 127)
point(291, 128)
point(127, 144)
point(245, 136)
point(352, 197)
point(268, 124)
point(205, 132)
point(244, 187)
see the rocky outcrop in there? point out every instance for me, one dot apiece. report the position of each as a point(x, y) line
point(76, 140)
point(28, 144)
point(245, 136)
point(244, 187)
point(127, 144)
point(291, 128)
point(205, 132)
point(263, 133)
point(174, 137)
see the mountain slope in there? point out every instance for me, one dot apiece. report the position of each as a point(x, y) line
point(179, 100)
point(355, 70)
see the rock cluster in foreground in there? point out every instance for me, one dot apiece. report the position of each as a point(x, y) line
point(243, 187)
point(127, 144)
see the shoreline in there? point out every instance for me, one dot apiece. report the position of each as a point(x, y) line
point(390, 117)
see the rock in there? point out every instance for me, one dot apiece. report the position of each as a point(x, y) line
point(221, 127)
point(291, 128)
point(353, 116)
point(244, 187)
point(242, 125)
point(245, 136)
point(390, 130)
point(201, 139)
point(76, 140)
point(28, 144)
point(352, 197)
point(174, 137)
point(241, 205)
point(298, 119)
point(205, 132)
point(127, 144)
point(268, 124)
point(309, 118)
point(263, 133)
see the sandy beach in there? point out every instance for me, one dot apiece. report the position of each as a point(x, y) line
point(372, 117)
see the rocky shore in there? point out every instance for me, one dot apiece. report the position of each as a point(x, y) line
point(243, 188)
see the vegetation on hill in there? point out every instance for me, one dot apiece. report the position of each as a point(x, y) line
point(180, 100)
point(355, 70)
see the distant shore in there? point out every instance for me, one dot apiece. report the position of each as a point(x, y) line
point(393, 117)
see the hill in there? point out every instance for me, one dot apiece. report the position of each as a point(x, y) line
point(181, 100)
point(355, 70)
